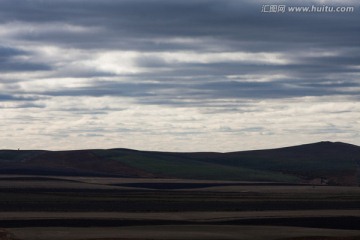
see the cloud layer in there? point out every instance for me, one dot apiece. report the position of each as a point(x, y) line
point(196, 75)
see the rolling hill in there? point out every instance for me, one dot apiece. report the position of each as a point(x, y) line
point(332, 163)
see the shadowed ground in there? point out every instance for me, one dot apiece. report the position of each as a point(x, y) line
point(89, 208)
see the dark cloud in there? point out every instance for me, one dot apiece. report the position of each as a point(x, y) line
point(345, 62)
point(30, 105)
point(6, 52)
point(201, 94)
point(9, 62)
point(15, 66)
point(9, 97)
point(271, 90)
point(139, 24)
point(200, 26)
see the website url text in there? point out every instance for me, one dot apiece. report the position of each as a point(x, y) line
point(306, 9)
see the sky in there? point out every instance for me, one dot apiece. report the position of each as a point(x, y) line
point(177, 75)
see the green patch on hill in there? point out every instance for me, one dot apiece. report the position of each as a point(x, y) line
point(298, 166)
point(168, 165)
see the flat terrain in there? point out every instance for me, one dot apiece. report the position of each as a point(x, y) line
point(38, 207)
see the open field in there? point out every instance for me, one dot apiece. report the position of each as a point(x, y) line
point(188, 232)
point(36, 207)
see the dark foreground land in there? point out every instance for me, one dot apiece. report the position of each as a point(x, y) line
point(62, 208)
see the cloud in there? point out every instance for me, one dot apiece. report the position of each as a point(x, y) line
point(6, 97)
point(143, 25)
point(6, 52)
point(15, 60)
point(90, 68)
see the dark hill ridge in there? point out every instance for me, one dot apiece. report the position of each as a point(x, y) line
point(320, 163)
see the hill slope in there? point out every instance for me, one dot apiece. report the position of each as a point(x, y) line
point(324, 162)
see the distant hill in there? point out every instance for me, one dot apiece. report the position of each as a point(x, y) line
point(332, 163)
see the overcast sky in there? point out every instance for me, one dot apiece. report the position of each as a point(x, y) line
point(176, 75)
